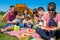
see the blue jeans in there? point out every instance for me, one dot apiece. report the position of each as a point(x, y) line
point(28, 26)
point(19, 24)
point(43, 33)
point(8, 25)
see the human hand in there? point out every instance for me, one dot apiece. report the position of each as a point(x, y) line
point(44, 28)
point(53, 29)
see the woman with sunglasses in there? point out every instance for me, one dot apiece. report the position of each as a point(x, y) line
point(51, 19)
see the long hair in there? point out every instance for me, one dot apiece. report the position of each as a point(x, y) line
point(24, 10)
point(53, 5)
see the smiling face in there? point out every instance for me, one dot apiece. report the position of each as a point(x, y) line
point(41, 11)
point(25, 11)
point(51, 9)
point(13, 9)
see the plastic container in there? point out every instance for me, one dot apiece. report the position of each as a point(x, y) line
point(16, 28)
point(24, 37)
point(33, 39)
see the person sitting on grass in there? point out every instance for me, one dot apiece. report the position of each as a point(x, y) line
point(17, 20)
point(27, 22)
point(39, 17)
point(11, 15)
point(50, 19)
point(25, 13)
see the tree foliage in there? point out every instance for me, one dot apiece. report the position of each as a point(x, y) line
point(2, 13)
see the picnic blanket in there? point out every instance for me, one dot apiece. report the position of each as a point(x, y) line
point(22, 31)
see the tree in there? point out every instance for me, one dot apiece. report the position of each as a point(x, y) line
point(2, 13)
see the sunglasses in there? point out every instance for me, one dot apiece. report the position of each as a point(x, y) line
point(51, 9)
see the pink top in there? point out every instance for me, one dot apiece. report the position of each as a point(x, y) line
point(10, 16)
point(46, 18)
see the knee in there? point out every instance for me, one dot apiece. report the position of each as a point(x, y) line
point(38, 29)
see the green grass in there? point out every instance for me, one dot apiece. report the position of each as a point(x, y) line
point(5, 36)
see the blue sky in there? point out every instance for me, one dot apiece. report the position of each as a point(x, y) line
point(5, 4)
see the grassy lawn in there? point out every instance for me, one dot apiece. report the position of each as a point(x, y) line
point(5, 36)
